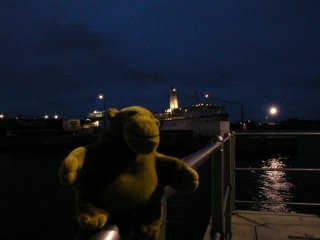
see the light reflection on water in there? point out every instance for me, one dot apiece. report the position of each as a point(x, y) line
point(274, 186)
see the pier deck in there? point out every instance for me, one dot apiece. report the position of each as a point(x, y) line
point(251, 225)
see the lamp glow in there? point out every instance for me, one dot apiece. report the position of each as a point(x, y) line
point(101, 97)
point(273, 110)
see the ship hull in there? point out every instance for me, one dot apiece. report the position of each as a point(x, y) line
point(206, 126)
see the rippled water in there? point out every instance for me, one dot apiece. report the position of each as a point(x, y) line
point(280, 186)
point(274, 186)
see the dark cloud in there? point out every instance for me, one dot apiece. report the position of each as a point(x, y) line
point(64, 62)
point(311, 84)
point(146, 76)
point(74, 37)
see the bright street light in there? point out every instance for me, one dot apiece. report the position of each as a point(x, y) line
point(272, 113)
point(46, 116)
point(101, 97)
point(1, 116)
point(56, 116)
point(273, 110)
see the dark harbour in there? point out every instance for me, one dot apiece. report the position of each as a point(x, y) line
point(33, 205)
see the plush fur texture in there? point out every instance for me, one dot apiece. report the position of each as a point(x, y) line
point(121, 177)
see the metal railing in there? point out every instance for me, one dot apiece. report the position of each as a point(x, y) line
point(221, 154)
point(223, 188)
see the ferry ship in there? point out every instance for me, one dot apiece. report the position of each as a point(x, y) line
point(206, 119)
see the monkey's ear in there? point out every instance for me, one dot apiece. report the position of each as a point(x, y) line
point(112, 113)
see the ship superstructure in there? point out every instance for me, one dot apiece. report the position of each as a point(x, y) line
point(173, 99)
point(200, 118)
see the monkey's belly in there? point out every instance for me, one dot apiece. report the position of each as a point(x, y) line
point(128, 191)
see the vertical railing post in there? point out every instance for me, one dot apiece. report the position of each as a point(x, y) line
point(163, 230)
point(227, 188)
point(217, 192)
point(233, 167)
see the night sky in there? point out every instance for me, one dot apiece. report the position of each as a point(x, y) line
point(58, 56)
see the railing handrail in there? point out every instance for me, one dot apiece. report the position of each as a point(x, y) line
point(199, 157)
point(276, 133)
point(280, 202)
point(109, 232)
point(279, 169)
